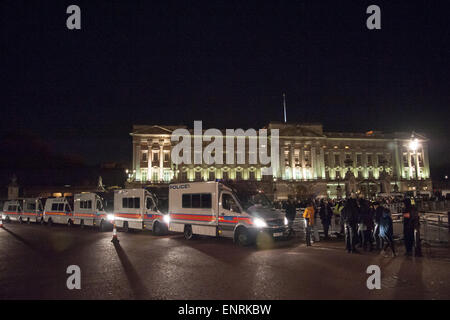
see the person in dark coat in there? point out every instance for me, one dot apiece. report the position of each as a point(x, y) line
point(325, 213)
point(411, 229)
point(364, 224)
point(290, 211)
point(376, 219)
point(387, 231)
point(349, 216)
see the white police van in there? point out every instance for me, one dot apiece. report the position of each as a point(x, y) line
point(58, 210)
point(212, 209)
point(12, 210)
point(137, 209)
point(89, 210)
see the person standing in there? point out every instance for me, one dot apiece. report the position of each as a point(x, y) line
point(387, 231)
point(411, 229)
point(364, 223)
point(376, 219)
point(290, 212)
point(325, 213)
point(349, 216)
point(308, 215)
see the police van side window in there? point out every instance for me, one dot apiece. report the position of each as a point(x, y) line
point(89, 204)
point(131, 203)
point(31, 206)
point(206, 200)
point(60, 206)
point(228, 203)
point(54, 207)
point(196, 200)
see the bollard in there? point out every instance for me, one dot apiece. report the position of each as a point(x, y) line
point(114, 237)
point(1, 220)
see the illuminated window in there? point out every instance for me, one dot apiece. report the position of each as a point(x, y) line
point(144, 156)
point(144, 174)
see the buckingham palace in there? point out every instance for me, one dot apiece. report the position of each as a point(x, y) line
point(312, 162)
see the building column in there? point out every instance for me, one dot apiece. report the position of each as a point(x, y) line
point(322, 163)
point(426, 164)
point(313, 163)
point(149, 160)
point(161, 162)
point(138, 161)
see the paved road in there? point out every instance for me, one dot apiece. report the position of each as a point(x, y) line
point(34, 258)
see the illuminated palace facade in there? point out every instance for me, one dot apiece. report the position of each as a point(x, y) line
point(311, 162)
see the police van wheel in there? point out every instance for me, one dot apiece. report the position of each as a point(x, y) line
point(82, 224)
point(188, 235)
point(28, 221)
point(242, 237)
point(157, 230)
point(20, 220)
point(125, 227)
point(69, 223)
point(49, 222)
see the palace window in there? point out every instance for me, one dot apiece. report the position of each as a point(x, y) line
point(307, 158)
point(144, 156)
point(144, 174)
point(419, 156)
point(337, 160)
point(369, 160)
point(359, 160)
point(405, 159)
point(166, 155)
point(167, 175)
point(155, 155)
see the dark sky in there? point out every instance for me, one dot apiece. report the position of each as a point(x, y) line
point(225, 63)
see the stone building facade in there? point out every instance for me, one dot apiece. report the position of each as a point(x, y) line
point(311, 162)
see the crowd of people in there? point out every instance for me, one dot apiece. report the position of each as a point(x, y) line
point(365, 225)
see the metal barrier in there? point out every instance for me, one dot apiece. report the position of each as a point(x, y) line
point(434, 227)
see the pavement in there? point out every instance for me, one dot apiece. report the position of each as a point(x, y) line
point(34, 259)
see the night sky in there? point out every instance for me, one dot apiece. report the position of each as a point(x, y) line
point(226, 63)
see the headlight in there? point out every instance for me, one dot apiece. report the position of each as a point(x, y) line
point(166, 218)
point(286, 222)
point(110, 217)
point(259, 223)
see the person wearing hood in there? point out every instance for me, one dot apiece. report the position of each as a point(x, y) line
point(387, 231)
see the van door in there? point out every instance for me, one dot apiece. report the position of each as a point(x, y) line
point(229, 211)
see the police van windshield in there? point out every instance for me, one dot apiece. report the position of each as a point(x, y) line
point(258, 199)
